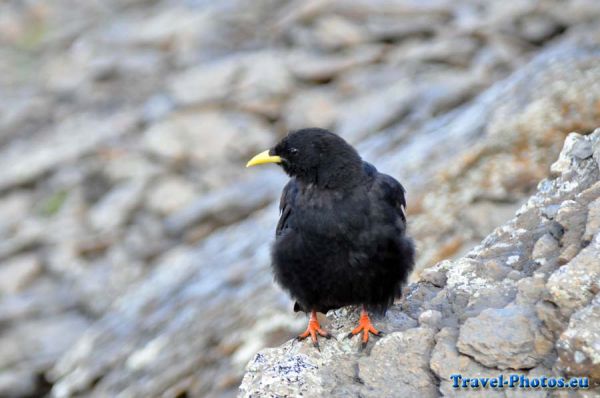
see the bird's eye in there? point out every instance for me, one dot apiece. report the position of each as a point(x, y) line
point(293, 151)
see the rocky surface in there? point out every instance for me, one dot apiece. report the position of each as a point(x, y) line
point(134, 244)
point(513, 303)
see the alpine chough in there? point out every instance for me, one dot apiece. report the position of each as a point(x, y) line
point(341, 237)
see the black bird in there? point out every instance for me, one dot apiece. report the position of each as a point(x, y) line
point(341, 236)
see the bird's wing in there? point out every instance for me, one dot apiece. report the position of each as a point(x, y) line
point(393, 192)
point(288, 197)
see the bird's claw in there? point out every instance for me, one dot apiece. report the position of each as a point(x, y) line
point(365, 327)
point(314, 330)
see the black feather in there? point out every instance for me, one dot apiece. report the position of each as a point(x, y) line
point(341, 237)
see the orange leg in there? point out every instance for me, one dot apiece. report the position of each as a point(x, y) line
point(314, 329)
point(365, 326)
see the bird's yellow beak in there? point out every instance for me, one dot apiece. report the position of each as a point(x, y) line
point(263, 158)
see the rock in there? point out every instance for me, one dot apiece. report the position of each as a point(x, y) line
point(572, 217)
point(370, 113)
point(489, 178)
point(334, 32)
point(175, 28)
point(115, 208)
point(501, 338)
point(578, 350)
point(447, 361)
point(127, 167)
point(18, 272)
point(530, 289)
point(170, 195)
point(32, 346)
point(208, 83)
point(13, 208)
point(227, 205)
point(238, 80)
point(207, 137)
point(593, 221)
point(455, 50)
point(310, 108)
point(24, 162)
point(574, 285)
point(430, 318)
point(398, 365)
point(574, 146)
point(401, 27)
point(437, 274)
point(18, 383)
point(545, 247)
point(312, 67)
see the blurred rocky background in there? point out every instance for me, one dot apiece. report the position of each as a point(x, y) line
point(134, 245)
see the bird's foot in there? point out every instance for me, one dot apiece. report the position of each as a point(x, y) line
point(365, 326)
point(313, 330)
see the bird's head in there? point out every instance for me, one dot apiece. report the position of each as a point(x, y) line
point(314, 156)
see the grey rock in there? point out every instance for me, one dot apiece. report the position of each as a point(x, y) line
point(573, 285)
point(437, 274)
point(334, 32)
point(545, 247)
point(207, 137)
point(572, 217)
point(447, 361)
point(592, 225)
point(170, 195)
point(370, 113)
point(17, 383)
point(431, 318)
point(501, 338)
point(13, 208)
point(115, 208)
point(574, 146)
point(398, 365)
point(530, 289)
point(311, 108)
point(314, 67)
point(32, 346)
point(578, 350)
point(228, 204)
point(24, 162)
point(18, 272)
point(238, 80)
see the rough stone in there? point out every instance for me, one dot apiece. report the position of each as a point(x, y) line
point(18, 272)
point(238, 80)
point(307, 66)
point(593, 221)
point(574, 285)
point(398, 365)
point(207, 137)
point(578, 348)
point(115, 207)
point(501, 338)
point(170, 195)
point(70, 140)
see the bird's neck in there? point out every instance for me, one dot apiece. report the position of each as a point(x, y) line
point(338, 176)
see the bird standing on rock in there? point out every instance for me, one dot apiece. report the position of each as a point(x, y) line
point(341, 237)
